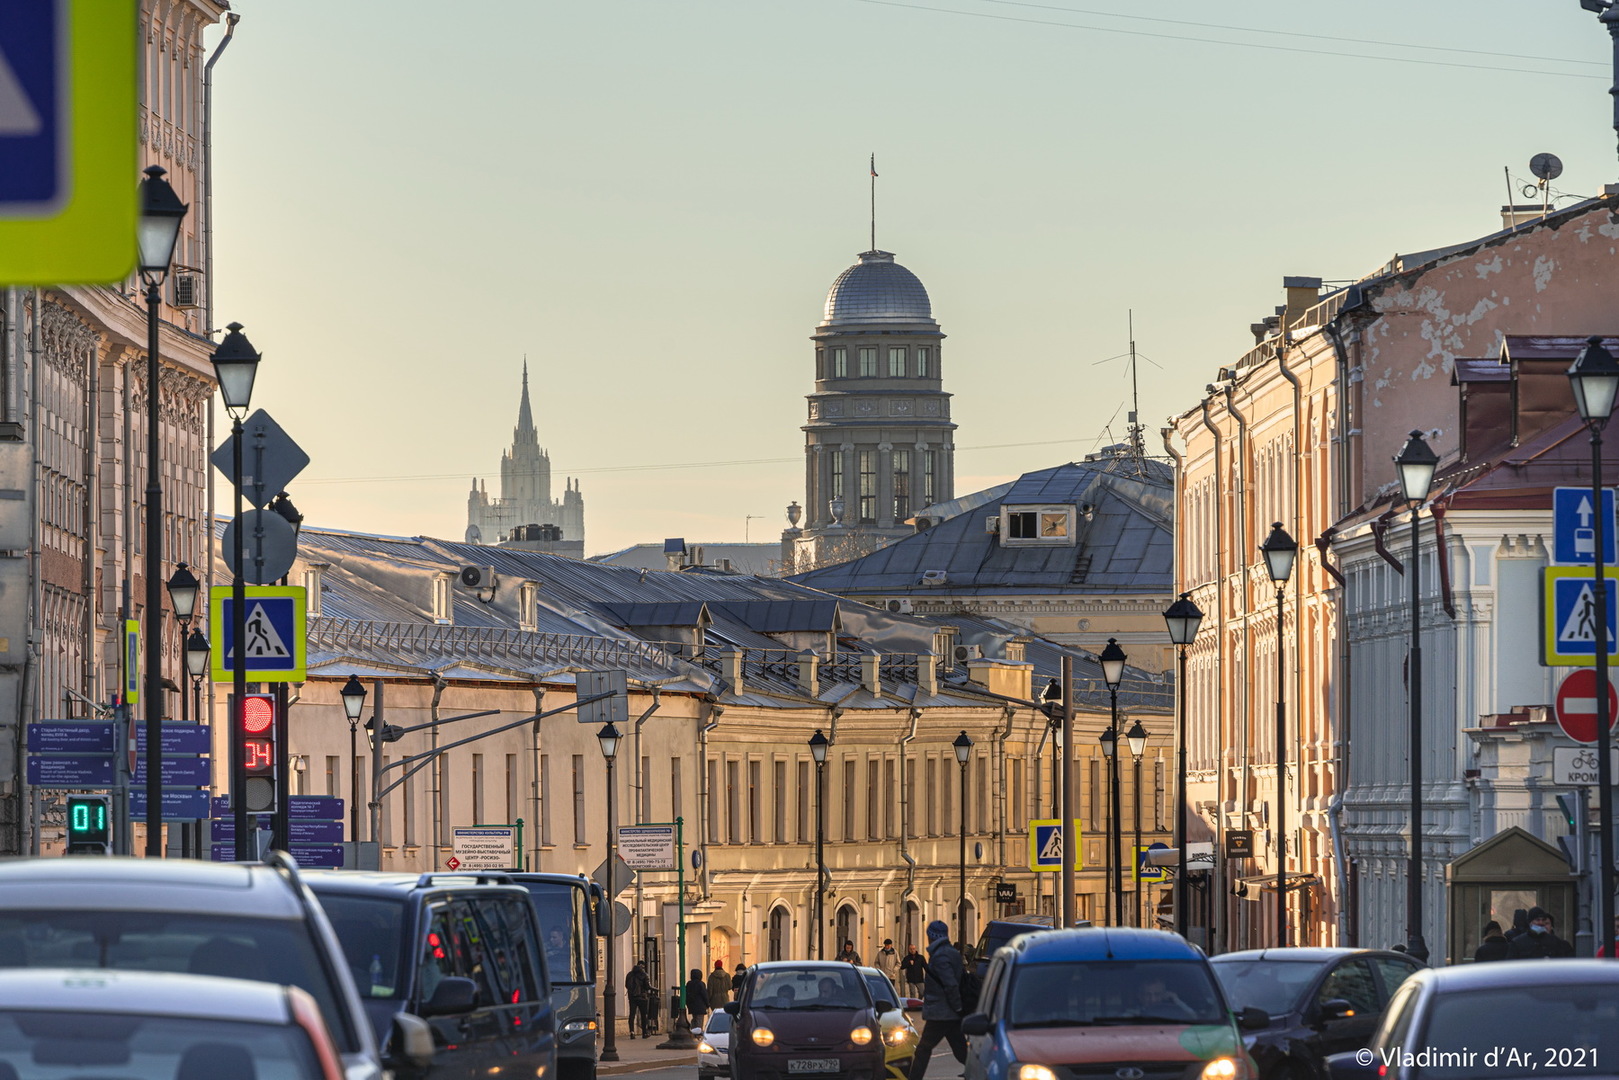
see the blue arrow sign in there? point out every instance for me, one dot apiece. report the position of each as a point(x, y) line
point(299, 808)
point(1575, 518)
point(178, 739)
point(179, 772)
point(322, 855)
point(223, 830)
point(179, 805)
point(87, 770)
point(66, 738)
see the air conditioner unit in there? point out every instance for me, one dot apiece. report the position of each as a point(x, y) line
point(476, 577)
point(935, 577)
point(900, 607)
point(969, 652)
point(992, 525)
point(187, 291)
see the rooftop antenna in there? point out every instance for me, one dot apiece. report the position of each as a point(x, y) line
point(1546, 167)
point(874, 201)
point(1138, 444)
point(747, 520)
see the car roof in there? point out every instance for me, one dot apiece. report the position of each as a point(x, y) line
point(765, 966)
point(390, 883)
point(1100, 943)
point(93, 883)
point(1315, 953)
point(1519, 973)
point(1021, 920)
point(152, 993)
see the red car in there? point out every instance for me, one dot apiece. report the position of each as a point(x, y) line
point(806, 1019)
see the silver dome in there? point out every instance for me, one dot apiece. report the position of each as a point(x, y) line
point(877, 290)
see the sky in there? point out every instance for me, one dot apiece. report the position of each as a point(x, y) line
point(648, 200)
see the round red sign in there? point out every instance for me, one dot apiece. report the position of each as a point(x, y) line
point(1577, 705)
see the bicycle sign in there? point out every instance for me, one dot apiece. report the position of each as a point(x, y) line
point(1576, 766)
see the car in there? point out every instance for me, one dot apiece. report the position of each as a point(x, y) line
point(191, 1027)
point(1135, 1004)
point(806, 1018)
point(1320, 1001)
point(569, 908)
point(460, 951)
point(1500, 1021)
point(714, 1047)
point(998, 932)
point(252, 921)
point(899, 1034)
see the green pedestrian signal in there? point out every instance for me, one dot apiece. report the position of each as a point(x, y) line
point(89, 824)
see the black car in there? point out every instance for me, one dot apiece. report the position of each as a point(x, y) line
point(461, 952)
point(806, 1018)
point(1320, 1001)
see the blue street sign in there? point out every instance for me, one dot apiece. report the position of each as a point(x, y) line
point(179, 772)
point(1149, 873)
point(57, 737)
point(322, 855)
point(223, 830)
point(1568, 620)
point(1574, 521)
point(178, 739)
point(315, 807)
point(33, 41)
point(178, 805)
point(88, 770)
point(276, 629)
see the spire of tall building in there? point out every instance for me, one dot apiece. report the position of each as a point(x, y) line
point(525, 491)
point(525, 413)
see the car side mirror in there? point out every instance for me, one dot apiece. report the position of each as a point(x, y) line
point(734, 1008)
point(975, 1024)
point(411, 1043)
point(1252, 1019)
point(885, 1007)
point(453, 994)
point(1353, 1065)
point(1336, 1009)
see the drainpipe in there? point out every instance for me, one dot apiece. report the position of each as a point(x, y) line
point(905, 810)
point(1000, 776)
point(1340, 747)
point(1217, 932)
point(1297, 582)
point(714, 714)
point(207, 199)
point(640, 798)
point(36, 635)
point(534, 830)
point(438, 769)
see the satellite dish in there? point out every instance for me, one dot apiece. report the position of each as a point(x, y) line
point(1546, 166)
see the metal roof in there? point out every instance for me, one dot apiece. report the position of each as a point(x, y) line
point(878, 290)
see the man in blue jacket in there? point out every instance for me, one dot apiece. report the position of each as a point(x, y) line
point(941, 1001)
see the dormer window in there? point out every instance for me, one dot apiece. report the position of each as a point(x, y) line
point(443, 599)
point(1038, 525)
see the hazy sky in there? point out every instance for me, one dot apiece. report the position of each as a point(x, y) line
point(650, 199)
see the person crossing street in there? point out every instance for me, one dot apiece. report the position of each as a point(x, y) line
point(941, 1001)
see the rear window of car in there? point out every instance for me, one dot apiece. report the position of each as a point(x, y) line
point(1114, 992)
point(808, 988)
point(881, 989)
point(1561, 1030)
point(718, 1022)
point(368, 928)
point(43, 1043)
point(262, 950)
point(1272, 985)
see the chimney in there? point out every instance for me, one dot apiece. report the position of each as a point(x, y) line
point(1513, 216)
point(1302, 294)
point(731, 668)
point(1017, 649)
point(927, 673)
point(809, 672)
point(871, 673)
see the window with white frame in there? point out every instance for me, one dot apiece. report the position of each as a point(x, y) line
point(1031, 526)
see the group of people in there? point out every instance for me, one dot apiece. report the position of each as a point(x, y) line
point(1532, 937)
point(702, 996)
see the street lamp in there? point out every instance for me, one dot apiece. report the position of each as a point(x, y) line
point(1113, 659)
point(818, 744)
point(1137, 738)
point(1183, 619)
point(1110, 747)
point(156, 233)
point(182, 586)
point(235, 365)
point(1280, 550)
point(964, 751)
point(353, 695)
point(1051, 703)
point(608, 737)
point(1595, 379)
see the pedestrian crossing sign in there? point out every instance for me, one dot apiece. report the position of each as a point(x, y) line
point(1568, 615)
point(275, 633)
point(1045, 845)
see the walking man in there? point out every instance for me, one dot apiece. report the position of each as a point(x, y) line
point(915, 969)
point(638, 988)
point(888, 961)
point(941, 1001)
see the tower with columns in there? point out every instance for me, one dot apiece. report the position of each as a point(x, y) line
point(878, 444)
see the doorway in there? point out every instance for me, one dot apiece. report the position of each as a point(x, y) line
point(777, 931)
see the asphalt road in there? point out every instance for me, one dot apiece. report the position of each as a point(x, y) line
point(942, 1067)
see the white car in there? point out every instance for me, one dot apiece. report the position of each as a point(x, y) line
point(714, 1047)
point(106, 1022)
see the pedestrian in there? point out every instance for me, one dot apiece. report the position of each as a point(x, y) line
point(1604, 950)
point(914, 966)
point(697, 998)
point(1541, 942)
point(941, 1001)
point(1520, 925)
point(1494, 946)
point(848, 955)
point(638, 988)
point(887, 961)
point(736, 981)
point(719, 986)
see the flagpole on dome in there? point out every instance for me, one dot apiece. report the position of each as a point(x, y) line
point(874, 201)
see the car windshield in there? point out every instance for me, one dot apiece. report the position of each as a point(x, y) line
point(808, 988)
point(719, 1022)
point(263, 950)
point(41, 1043)
point(368, 930)
point(1077, 994)
point(1561, 1030)
point(561, 909)
point(881, 989)
point(1272, 985)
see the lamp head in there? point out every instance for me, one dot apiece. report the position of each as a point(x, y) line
point(1053, 692)
point(158, 228)
point(235, 364)
point(818, 744)
point(1113, 659)
point(1595, 381)
point(1137, 738)
point(1279, 550)
point(1109, 740)
point(1183, 618)
point(608, 736)
point(964, 748)
point(1416, 463)
point(183, 592)
point(197, 650)
point(353, 694)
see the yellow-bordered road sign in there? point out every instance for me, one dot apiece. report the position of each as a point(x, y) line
point(1045, 845)
point(1568, 615)
point(276, 629)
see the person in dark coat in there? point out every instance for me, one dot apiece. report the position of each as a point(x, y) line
point(638, 989)
point(1520, 925)
point(737, 978)
point(941, 1001)
point(1541, 942)
point(914, 966)
point(696, 998)
point(1494, 946)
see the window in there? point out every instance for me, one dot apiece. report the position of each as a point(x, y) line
point(733, 803)
point(676, 808)
point(803, 802)
point(902, 484)
point(579, 799)
point(477, 789)
point(779, 775)
point(868, 363)
point(1018, 820)
point(756, 833)
point(930, 493)
point(848, 800)
point(837, 475)
point(1158, 794)
point(513, 811)
point(874, 814)
point(923, 362)
point(334, 786)
point(1096, 792)
point(409, 810)
point(1351, 981)
point(933, 796)
point(545, 800)
point(868, 486)
point(896, 363)
point(1045, 524)
point(947, 785)
point(713, 808)
point(840, 363)
point(980, 798)
point(892, 830)
point(820, 363)
point(646, 789)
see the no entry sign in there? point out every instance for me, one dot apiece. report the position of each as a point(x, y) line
point(1577, 705)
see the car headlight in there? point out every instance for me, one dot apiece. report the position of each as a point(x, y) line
point(1220, 1069)
point(897, 1036)
point(763, 1036)
point(1034, 1072)
point(860, 1036)
point(573, 1027)
point(704, 1048)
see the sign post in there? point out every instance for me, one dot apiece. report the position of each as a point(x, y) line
point(482, 847)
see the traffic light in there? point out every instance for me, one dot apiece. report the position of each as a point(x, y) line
point(255, 725)
point(89, 824)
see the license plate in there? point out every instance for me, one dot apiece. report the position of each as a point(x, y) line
point(812, 1065)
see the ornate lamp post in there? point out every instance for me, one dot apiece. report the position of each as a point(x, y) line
point(1416, 464)
point(818, 744)
point(353, 695)
point(964, 752)
point(1183, 618)
point(1110, 747)
point(608, 737)
point(1137, 738)
point(1280, 550)
point(182, 586)
point(161, 212)
point(1595, 380)
point(1112, 659)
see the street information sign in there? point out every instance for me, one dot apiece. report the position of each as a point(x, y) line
point(68, 140)
point(270, 458)
point(1568, 615)
point(1574, 520)
point(1045, 845)
point(1149, 873)
point(486, 847)
point(275, 632)
point(647, 847)
point(1576, 705)
point(1576, 766)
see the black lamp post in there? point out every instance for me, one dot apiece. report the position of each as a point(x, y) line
point(1595, 380)
point(1183, 619)
point(1416, 464)
point(235, 365)
point(182, 586)
point(1051, 705)
point(1110, 747)
point(353, 694)
point(1137, 738)
point(964, 752)
point(818, 744)
point(608, 737)
point(161, 212)
point(1280, 550)
point(197, 650)
point(1112, 660)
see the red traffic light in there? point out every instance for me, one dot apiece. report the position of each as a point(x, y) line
point(257, 714)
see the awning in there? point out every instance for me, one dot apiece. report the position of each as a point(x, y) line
point(1250, 887)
